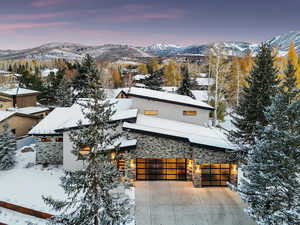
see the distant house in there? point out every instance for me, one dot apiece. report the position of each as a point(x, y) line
point(168, 137)
point(18, 97)
point(19, 110)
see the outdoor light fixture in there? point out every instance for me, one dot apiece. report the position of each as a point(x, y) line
point(132, 163)
point(113, 155)
point(198, 169)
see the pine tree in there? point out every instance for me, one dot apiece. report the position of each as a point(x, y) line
point(8, 148)
point(155, 80)
point(293, 57)
point(255, 97)
point(93, 196)
point(80, 82)
point(64, 94)
point(272, 185)
point(186, 85)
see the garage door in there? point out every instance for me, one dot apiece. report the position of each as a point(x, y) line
point(215, 174)
point(161, 169)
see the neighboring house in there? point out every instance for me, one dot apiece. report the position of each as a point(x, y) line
point(167, 138)
point(19, 123)
point(18, 97)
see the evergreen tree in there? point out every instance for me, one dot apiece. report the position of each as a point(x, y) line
point(8, 148)
point(64, 94)
point(186, 83)
point(272, 185)
point(255, 97)
point(80, 82)
point(155, 80)
point(93, 196)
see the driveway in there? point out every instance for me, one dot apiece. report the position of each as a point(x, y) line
point(178, 203)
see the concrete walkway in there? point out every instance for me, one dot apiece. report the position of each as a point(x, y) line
point(178, 203)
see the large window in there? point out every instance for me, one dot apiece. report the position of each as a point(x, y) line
point(161, 169)
point(189, 113)
point(151, 112)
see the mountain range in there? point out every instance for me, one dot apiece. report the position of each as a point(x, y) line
point(113, 52)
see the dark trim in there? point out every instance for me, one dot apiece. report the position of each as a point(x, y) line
point(45, 135)
point(171, 102)
point(21, 115)
point(129, 120)
point(20, 95)
point(176, 138)
point(127, 148)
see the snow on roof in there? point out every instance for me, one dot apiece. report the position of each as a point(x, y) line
point(29, 110)
point(51, 122)
point(18, 91)
point(141, 76)
point(205, 81)
point(5, 114)
point(46, 72)
point(113, 93)
point(194, 133)
point(65, 118)
point(170, 97)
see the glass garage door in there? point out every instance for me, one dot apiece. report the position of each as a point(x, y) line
point(161, 169)
point(215, 174)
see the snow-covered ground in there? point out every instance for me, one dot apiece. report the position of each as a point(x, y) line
point(25, 186)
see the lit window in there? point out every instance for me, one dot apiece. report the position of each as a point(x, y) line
point(46, 139)
point(189, 113)
point(59, 139)
point(85, 150)
point(151, 112)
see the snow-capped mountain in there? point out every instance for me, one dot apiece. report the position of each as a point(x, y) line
point(113, 52)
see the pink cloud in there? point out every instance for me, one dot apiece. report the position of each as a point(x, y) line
point(170, 14)
point(43, 15)
point(16, 26)
point(45, 3)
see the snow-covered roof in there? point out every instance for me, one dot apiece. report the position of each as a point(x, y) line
point(167, 97)
point(29, 110)
point(113, 93)
point(66, 118)
point(205, 81)
point(141, 76)
point(5, 114)
point(46, 72)
point(207, 136)
point(18, 91)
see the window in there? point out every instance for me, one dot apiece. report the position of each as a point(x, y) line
point(151, 112)
point(59, 139)
point(46, 139)
point(189, 113)
point(85, 150)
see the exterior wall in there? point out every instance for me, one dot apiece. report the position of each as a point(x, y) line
point(5, 105)
point(161, 147)
point(20, 124)
point(171, 111)
point(70, 161)
point(26, 101)
point(49, 152)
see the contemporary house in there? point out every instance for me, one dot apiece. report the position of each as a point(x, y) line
point(18, 108)
point(168, 137)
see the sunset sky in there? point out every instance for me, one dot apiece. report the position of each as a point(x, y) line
point(28, 23)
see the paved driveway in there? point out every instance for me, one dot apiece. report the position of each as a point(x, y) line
point(178, 203)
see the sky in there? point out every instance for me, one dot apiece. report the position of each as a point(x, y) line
point(29, 23)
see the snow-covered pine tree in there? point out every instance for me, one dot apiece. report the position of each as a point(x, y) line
point(8, 148)
point(81, 79)
point(186, 83)
point(64, 94)
point(155, 80)
point(255, 97)
point(92, 193)
point(272, 185)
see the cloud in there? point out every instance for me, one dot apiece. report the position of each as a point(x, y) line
point(16, 26)
point(45, 3)
point(138, 16)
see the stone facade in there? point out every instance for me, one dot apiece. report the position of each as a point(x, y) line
point(49, 152)
point(151, 146)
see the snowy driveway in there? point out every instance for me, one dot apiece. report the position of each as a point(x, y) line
point(178, 203)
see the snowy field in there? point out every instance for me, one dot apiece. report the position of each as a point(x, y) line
point(25, 186)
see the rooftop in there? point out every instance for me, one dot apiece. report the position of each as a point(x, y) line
point(206, 136)
point(167, 97)
point(29, 110)
point(17, 91)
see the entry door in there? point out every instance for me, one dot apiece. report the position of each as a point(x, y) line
point(161, 169)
